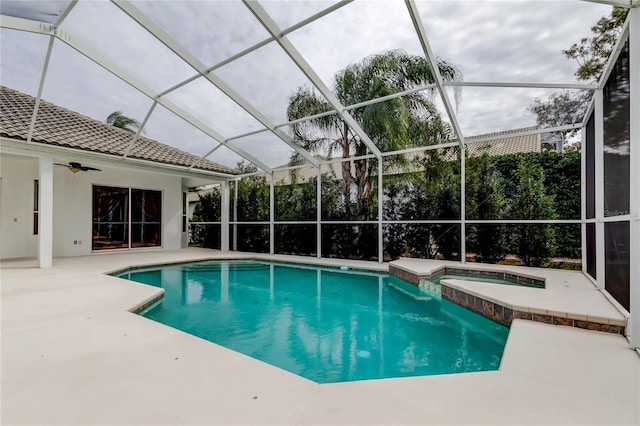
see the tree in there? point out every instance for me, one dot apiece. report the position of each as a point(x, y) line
point(393, 124)
point(433, 192)
point(117, 119)
point(591, 54)
point(561, 108)
point(536, 243)
point(252, 205)
point(207, 209)
point(295, 201)
point(486, 201)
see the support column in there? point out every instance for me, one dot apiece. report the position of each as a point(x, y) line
point(634, 176)
point(319, 213)
point(599, 187)
point(235, 216)
point(45, 213)
point(272, 216)
point(224, 216)
point(463, 204)
point(380, 211)
point(583, 194)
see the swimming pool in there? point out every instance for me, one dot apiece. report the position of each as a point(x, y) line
point(325, 324)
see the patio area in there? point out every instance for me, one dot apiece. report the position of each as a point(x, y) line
point(74, 354)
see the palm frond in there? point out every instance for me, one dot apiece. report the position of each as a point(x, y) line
point(117, 119)
point(410, 120)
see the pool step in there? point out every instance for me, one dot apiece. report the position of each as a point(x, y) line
point(411, 291)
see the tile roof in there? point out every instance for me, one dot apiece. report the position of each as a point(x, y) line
point(506, 142)
point(62, 127)
point(509, 142)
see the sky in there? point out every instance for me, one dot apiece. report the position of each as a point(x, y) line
point(503, 41)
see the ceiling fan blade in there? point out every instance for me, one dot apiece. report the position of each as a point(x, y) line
point(87, 168)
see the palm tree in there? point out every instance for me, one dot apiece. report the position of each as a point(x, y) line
point(117, 119)
point(410, 120)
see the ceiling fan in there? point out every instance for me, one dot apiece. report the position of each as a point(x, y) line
point(77, 167)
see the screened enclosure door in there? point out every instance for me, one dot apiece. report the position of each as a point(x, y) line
point(124, 218)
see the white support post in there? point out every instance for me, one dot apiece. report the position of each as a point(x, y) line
point(634, 176)
point(272, 214)
point(319, 214)
point(583, 197)
point(380, 211)
point(45, 213)
point(463, 205)
point(224, 216)
point(235, 216)
point(599, 187)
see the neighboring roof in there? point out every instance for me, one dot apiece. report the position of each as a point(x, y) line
point(507, 142)
point(61, 127)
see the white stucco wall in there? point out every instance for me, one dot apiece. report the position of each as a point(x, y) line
point(72, 205)
point(16, 207)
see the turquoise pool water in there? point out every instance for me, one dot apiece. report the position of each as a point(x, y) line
point(327, 325)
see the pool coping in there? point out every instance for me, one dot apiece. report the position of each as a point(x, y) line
point(455, 291)
point(144, 305)
point(504, 313)
point(470, 295)
point(409, 274)
point(252, 258)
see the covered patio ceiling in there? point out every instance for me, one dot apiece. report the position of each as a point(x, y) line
point(214, 77)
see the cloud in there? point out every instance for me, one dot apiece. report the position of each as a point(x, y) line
point(215, 109)
point(109, 31)
point(76, 83)
point(266, 78)
point(48, 11)
point(210, 30)
point(353, 32)
point(23, 56)
point(509, 41)
point(489, 41)
point(287, 13)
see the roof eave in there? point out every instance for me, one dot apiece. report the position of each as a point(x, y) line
point(20, 147)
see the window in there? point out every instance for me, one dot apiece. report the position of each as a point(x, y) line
point(184, 212)
point(126, 218)
point(36, 205)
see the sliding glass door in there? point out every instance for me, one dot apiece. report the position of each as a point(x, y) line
point(124, 218)
point(146, 209)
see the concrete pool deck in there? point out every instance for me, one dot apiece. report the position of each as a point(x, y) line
point(73, 354)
